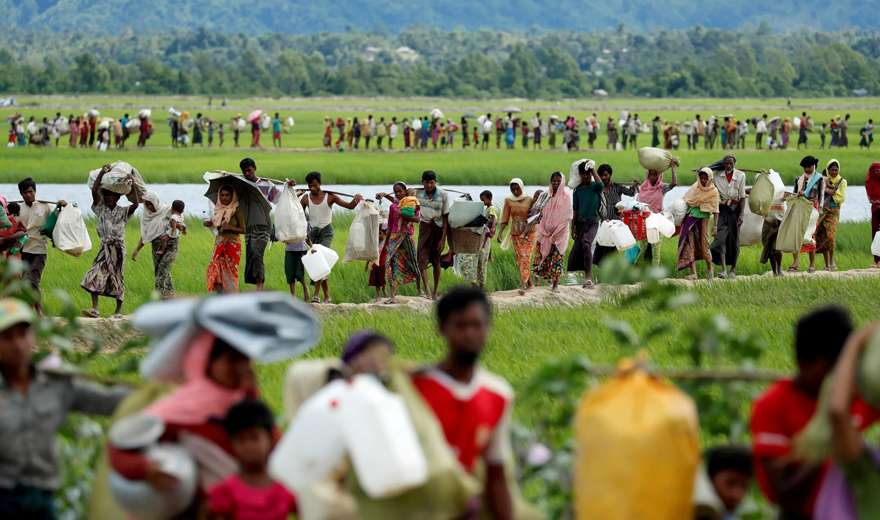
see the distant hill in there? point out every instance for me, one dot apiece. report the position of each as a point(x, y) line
point(309, 16)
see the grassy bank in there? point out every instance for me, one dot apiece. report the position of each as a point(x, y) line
point(349, 280)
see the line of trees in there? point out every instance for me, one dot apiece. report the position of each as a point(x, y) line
point(428, 62)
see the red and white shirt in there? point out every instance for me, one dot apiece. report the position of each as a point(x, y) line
point(475, 416)
point(778, 415)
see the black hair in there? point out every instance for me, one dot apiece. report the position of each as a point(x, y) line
point(247, 414)
point(313, 176)
point(728, 458)
point(820, 334)
point(459, 299)
point(429, 175)
point(246, 163)
point(605, 168)
point(13, 209)
point(809, 160)
point(226, 187)
point(555, 174)
point(26, 183)
point(486, 193)
point(178, 205)
point(399, 183)
point(582, 168)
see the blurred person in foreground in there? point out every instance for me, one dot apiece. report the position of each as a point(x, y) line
point(786, 408)
point(34, 404)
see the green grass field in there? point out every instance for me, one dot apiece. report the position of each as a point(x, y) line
point(349, 280)
point(160, 163)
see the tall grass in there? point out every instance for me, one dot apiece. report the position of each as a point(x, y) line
point(348, 283)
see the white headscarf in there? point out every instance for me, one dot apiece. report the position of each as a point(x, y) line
point(154, 224)
point(513, 198)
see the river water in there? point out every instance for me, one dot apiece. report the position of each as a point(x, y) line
point(856, 208)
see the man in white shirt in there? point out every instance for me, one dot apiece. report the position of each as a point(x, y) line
point(33, 216)
point(731, 184)
point(433, 227)
point(760, 132)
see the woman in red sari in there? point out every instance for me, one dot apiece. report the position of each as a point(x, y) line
point(229, 221)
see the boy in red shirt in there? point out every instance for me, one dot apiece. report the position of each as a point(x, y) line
point(781, 412)
point(472, 405)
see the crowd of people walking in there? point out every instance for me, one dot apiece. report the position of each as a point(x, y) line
point(549, 232)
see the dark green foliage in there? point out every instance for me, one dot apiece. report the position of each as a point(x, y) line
point(700, 62)
point(302, 16)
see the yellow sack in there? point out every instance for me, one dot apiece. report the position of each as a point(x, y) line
point(637, 450)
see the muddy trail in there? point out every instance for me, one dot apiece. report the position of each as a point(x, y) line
point(116, 332)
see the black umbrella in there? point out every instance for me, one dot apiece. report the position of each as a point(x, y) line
point(250, 199)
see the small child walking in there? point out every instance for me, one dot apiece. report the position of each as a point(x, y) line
point(294, 270)
point(251, 493)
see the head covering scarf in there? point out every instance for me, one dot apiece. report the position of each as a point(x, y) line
point(704, 197)
point(154, 223)
point(224, 212)
point(358, 343)
point(198, 398)
point(652, 194)
point(872, 183)
point(555, 220)
point(522, 195)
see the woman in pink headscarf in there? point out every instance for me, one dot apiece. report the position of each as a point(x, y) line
point(553, 231)
point(215, 376)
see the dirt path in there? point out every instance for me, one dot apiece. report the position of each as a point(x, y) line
point(566, 295)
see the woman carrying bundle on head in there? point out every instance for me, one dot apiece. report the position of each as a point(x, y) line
point(107, 275)
point(702, 200)
point(229, 222)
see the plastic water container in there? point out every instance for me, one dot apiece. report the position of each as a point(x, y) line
point(661, 224)
point(653, 235)
point(811, 227)
point(319, 261)
point(603, 235)
point(778, 185)
point(382, 443)
point(622, 236)
point(313, 445)
point(875, 245)
point(463, 212)
point(144, 502)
